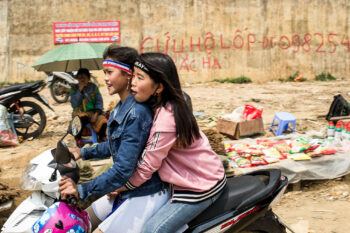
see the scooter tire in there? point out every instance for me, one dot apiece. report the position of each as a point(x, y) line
point(63, 98)
point(266, 224)
point(34, 109)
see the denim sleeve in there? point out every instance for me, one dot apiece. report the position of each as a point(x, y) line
point(100, 151)
point(76, 97)
point(132, 143)
point(99, 101)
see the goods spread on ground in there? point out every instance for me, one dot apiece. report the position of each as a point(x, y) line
point(265, 151)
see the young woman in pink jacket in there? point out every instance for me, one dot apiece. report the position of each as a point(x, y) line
point(176, 148)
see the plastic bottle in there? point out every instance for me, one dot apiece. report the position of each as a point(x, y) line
point(344, 131)
point(330, 130)
point(347, 132)
point(338, 131)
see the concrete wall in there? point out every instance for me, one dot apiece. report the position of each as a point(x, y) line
point(262, 39)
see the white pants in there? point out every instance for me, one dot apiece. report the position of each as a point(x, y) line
point(131, 215)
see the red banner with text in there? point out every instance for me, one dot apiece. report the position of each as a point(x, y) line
point(91, 31)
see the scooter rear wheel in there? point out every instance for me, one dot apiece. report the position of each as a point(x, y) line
point(266, 224)
point(58, 92)
point(37, 119)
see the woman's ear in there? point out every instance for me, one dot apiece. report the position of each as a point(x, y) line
point(160, 88)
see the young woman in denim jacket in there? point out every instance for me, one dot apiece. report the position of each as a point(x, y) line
point(127, 129)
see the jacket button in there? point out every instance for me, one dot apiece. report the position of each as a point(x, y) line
point(113, 137)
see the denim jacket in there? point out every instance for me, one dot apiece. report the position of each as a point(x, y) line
point(128, 129)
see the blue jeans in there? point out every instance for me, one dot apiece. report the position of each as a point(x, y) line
point(171, 216)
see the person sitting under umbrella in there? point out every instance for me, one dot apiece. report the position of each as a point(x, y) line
point(87, 103)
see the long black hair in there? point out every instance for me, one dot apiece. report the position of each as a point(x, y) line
point(162, 69)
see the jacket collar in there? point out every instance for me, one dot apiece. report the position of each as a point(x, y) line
point(123, 108)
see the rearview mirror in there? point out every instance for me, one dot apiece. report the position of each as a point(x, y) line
point(75, 126)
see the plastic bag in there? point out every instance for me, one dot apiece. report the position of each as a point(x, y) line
point(7, 137)
point(250, 112)
point(236, 115)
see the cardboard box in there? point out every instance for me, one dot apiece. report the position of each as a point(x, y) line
point(240, 129)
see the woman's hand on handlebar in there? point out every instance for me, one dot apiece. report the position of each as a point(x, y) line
point(76, 152)
point(67, 187)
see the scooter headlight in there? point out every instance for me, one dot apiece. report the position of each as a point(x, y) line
point(28, 182)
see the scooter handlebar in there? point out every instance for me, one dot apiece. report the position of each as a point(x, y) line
point(72, 200)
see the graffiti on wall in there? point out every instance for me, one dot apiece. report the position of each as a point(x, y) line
point(242, 40)
point(24, 72)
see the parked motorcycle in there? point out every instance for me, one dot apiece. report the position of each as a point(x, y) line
point(60, 84)
point(245, 205)
point(28, 117)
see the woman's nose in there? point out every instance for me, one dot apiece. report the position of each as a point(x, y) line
point(133, 81)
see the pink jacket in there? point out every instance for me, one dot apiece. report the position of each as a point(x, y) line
point(196, 168)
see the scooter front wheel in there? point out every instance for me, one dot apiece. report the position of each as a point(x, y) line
point(29, 119)
point(59, 91)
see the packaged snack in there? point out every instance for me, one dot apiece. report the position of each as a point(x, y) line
point(264, 142)
point(282, 146)
point(253, 150)
point(228, 147)
point(236, 147)
point(322, 150)
point(231, 154)
point(299, 145)
point(299, 156)
point(284, 156)
point(242, 162)
point(271, 159)
point(233, 163)
point(257, 160)
point(311, 148)
point(272, 152)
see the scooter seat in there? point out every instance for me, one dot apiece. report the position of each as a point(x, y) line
point(235, 192)
point(20, 87)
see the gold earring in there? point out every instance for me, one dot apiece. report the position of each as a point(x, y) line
point(128, 86)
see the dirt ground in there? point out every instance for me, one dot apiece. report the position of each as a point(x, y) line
point(319, 206)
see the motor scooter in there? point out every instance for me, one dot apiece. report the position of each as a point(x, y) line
point(28, 117)
point(245, 205)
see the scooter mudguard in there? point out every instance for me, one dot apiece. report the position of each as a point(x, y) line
point(66, 76)
point(25, 215)
point(49, 80)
